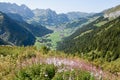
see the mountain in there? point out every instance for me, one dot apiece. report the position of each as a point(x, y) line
point(36, 29)
point(3, 42)
point(51, 18)
point(79, 41)
point(13, 33)
point(101, 40)
point(71, 43)
point(76, 23)
point(112, 12)
point(22, 10)
point(16, 17)
point(45, 17)
point(77, 15)
point(48, 17)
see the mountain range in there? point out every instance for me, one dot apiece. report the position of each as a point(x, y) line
point(13, 20)
point(22, 10)
point(45, 17)
point(49, 17)
point(36, 21)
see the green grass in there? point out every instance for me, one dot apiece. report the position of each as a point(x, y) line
point(55, 37)
point(100, 23)
point(19, 63)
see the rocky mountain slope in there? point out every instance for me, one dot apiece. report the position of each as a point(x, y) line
point(48, 17)
point(22, 10)
point(112, 12)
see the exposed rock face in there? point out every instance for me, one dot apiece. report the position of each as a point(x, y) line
point(22, 10)
point(112, 15)
point(112, 12)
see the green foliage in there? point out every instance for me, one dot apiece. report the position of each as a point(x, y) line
point(58, 76)
point(44, 49)
point(101, 45)
point(16, 64)
point(36, 72)
point(102, 41)
point(48, 72)
point(77, 42)
point(73, 75)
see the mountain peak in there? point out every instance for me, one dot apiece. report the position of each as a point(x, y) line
point(24, 7)
point(22, 10)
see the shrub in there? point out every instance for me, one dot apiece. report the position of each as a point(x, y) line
point(36, 72)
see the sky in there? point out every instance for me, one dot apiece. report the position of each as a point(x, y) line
point(64, 6)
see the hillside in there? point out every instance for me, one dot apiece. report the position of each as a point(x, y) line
point(101, 42)
point(82, 40)
point(21, 63)
point(68, 42)
point(36, 29)
point(77, 15)
point(11, 32)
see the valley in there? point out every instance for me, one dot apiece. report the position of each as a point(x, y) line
point(51, 40)
point(42, 44)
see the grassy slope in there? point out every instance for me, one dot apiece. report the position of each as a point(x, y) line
point(26, 62)
point(100, 45)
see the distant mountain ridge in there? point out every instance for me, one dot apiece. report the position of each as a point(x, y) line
point(77, 15)
point(22, 13)
point(46, 17)
point(22, 10)
point(50, 17)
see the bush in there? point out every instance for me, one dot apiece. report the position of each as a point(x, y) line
point(36, 72)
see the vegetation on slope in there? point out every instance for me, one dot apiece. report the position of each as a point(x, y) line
point(36, 29)
point(98, 44)
point(27, 63)
point(13, 33)
point(80, 38)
